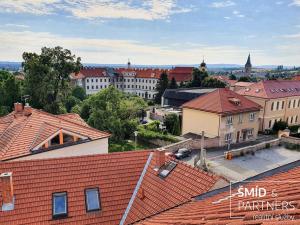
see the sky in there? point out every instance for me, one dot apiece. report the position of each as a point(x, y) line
point(155, 32)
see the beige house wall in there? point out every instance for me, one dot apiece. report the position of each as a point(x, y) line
point(289, 112)
point(213, 124)
point(196, 121)
point(99, 146)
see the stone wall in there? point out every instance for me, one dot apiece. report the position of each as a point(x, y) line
point(290, 140)
point(193, 144)
point(253, 148)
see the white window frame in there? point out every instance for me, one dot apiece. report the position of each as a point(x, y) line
point(251, 116)
point(229, 120)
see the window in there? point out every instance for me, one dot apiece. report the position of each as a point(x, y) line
point(228, 137)
point(296, 119)
point(251, 116)
point(272, 106)
point(87, 80)
point(229, 120)
point(282, 105)
point(277, 106)
point(240, 118)
point(88, 87)
point(270, 124)
point(290, 104)
point(92, 199)
point(166, 169)
point(250, 133)
point(59, 205)
point(92, 80)
point(294, 105)
point(96, 80)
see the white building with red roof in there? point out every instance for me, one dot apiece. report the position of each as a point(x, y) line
point(138, 81)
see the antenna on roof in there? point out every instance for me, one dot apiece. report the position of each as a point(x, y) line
point(25, 98)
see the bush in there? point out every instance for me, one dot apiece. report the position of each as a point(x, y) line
point(279, 125)
point(268, 145)
point(145, 134)
point(173, 124)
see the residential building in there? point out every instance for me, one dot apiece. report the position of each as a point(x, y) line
point(223, 114)
point(116, 188)
point(28, 133)
point(138, 81)
point(177, 97)
point(280, 101)
point(278, 203)
point(240, 85)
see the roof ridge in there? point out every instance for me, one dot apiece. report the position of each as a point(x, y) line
point(56, 116)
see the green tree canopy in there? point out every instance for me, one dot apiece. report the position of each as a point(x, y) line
point(172, 123)
point(245, 79)
point(114, 111)
point(198, 77)
point(232, 77)
point(47, 77)
point(213, 83)
point(10, 92)
point(161, 86)
point(173, 84)
point(79, 92)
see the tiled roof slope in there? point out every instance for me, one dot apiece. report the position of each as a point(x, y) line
point(215, 210)
point(91, 72)
point(19, 133)
point(160, 194)
point(34, 181)
point(116, 175)
point(219, 101)
point(225, 79)
point(273, 89)
point(181, 74)
point(142, 72)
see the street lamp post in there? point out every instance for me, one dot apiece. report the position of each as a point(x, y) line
point(135, 139)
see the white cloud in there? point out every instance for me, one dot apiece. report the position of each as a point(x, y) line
point(16, 25)
point(238, 14)
point(38, 7)
point(222, 4)
point(13, 44)
point(297, 35)
point(227, 17)
point(296, 2)
point(92, 9)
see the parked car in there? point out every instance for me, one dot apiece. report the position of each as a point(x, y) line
point(182, 153)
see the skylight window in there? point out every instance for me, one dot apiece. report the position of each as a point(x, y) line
point(166, 169)
point(92, 199)
point(59, 205)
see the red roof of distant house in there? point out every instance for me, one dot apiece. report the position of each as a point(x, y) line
point(296, 77)
point(20, 133)
point(91, 72)
point(141, 72)
point(222, 101)
point(243, 84)
point(225, 79)
point(116, 175)
point(181, 74)
point(272, 89)
point(221, 209)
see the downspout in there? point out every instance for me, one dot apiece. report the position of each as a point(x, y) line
point(263, 122)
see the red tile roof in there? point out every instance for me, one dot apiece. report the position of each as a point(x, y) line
point(215, 210)
point(225, 79)
point(116, 175)
point(20, 133)
point(221, 101)
point(181, 74)
point(34, 181)
point(141, 72)
point(272, 89)
point(180, 186)
point(91, 72)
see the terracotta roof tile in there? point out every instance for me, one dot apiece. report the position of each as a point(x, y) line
point(272, 89)
point(19, 133)
point(181, 74)
point(215, 210)
point(221, 101)
point(91, 72)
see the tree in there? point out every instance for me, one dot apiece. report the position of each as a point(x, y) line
point(232, 77)
point(173, 84)
point(10, 92)
point(245, 79)
point(172, 123)
point(79, 93)
point(161, 86)
point(213, 83)
point(47, 77)
point(198, 77)
point(70, 102)
point(114, 111)
point(279, 125)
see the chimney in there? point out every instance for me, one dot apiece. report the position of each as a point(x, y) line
point(27, 110)
point(160, 158)
point(18, 107)
point(7, 191)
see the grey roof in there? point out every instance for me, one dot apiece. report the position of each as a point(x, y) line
point(186, 93)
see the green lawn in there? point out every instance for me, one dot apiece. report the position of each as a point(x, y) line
point(127, 145)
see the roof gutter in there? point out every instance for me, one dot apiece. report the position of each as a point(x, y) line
point(137, 187)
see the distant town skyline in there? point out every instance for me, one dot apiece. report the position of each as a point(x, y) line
point(155, 32)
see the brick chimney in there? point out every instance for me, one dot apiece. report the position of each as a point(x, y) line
point(27, 110)
point(18, 107)
point(7, 191)
point(160, 156)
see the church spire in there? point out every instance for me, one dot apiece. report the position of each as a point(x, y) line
point(248, 63)
point(248, 66)
point(128, 64)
